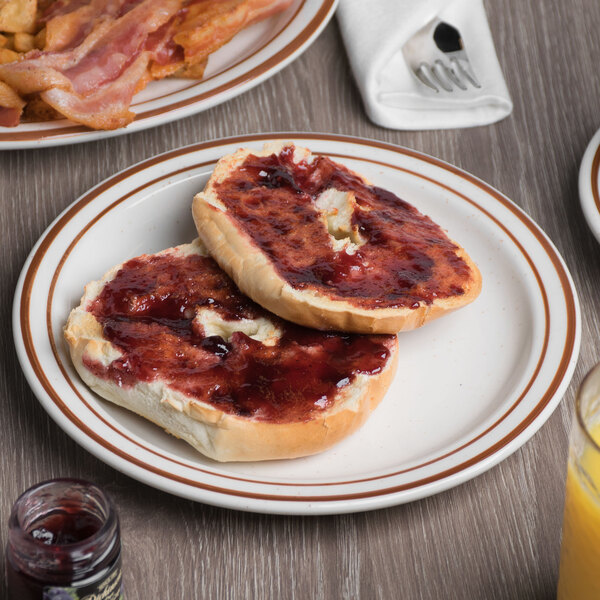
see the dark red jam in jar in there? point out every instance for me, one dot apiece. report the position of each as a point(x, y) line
point(64, 544)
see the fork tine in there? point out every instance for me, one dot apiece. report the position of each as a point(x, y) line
point(465, 72)
point(441, 76)
point(425, 75)
point(451, 75)
point(439, 72)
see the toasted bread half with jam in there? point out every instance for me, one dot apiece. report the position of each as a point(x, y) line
point(317, 244)
point(170, 337)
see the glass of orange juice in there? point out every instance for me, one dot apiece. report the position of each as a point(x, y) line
point(579, 575)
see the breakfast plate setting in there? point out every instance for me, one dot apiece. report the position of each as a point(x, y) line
point(326, 325)
point(470, 388)
point(253, 55)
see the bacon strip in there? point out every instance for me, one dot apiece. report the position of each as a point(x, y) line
point(69, 22)
point(202, 27)
point(207, 25)
point(107, 108)
point(99, 53)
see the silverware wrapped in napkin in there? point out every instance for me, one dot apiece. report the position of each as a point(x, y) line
point(380, 40)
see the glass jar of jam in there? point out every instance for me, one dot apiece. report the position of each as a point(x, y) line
point(64, 544)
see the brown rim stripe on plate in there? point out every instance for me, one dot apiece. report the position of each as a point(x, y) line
point(569, 344)
point(269, 63)
point(595, 170)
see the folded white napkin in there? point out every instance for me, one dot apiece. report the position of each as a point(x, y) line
point(374, 34)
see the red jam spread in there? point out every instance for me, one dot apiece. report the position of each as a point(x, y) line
point(148, 310)
point(407, 259)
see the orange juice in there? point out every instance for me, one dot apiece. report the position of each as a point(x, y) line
point(579, 577)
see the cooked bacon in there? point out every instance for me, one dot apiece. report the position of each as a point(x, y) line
point(207, 25)
point(93, 83)
point(202, 27)
point(69, 22)
point(99, 53)
point(62, 7)
point(107, 108)
point(167, 57)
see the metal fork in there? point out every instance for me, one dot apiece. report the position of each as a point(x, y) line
point(443, 65)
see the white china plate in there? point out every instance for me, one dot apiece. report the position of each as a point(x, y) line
point(471, 387)
point(249, 58)
point(589, 184)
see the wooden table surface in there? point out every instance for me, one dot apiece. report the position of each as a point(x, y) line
point(494, 537)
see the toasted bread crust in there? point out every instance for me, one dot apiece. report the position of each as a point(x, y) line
point(254, 273)
point(216, 434)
